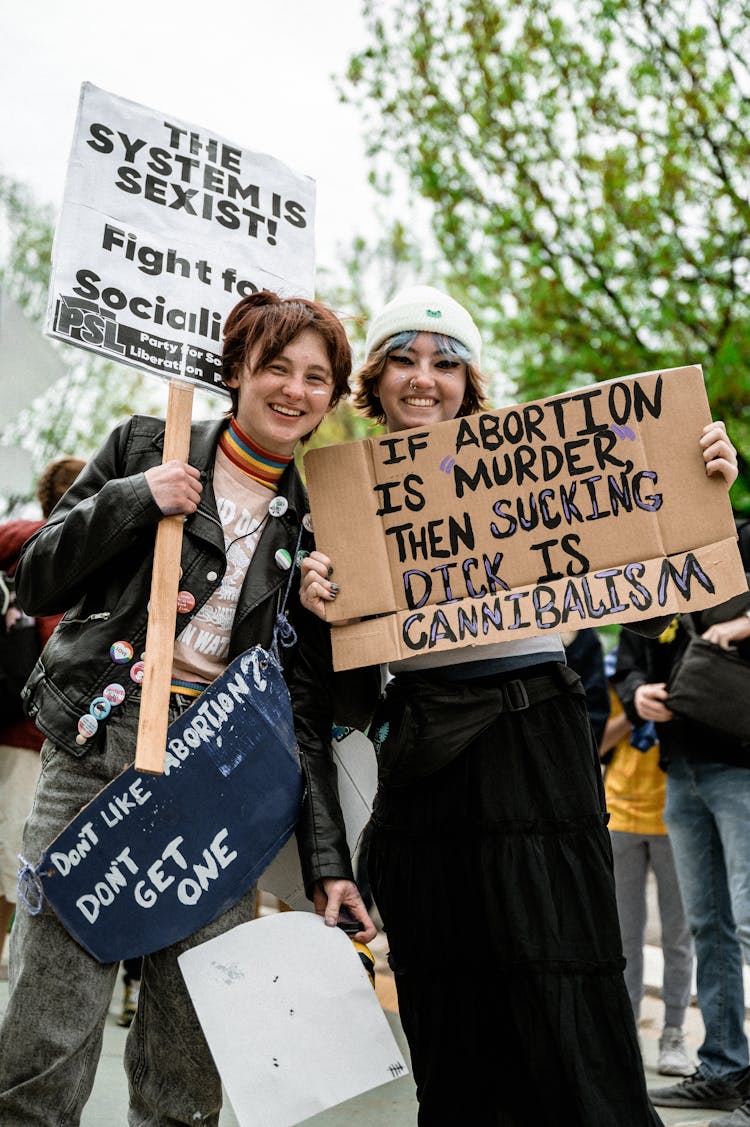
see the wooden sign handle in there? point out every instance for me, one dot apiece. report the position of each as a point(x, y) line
point(162, 614)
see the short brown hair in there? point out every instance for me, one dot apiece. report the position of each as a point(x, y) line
point(55, 480)
point(474, 400)
point(268, 323)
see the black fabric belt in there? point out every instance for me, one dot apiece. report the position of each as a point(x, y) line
point(422, 722)
point(519, 688)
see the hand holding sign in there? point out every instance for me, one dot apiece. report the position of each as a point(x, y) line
point(718, 453)
point(176, 487)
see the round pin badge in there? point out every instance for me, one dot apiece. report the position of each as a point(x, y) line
point(283, 559)
point(100, 708)
point(121, 652)
point(114, 693)
point(136, 672)
point(185, 602)
point(300, 556)
point(87, 725)
point(278, 506)
point(307, 522)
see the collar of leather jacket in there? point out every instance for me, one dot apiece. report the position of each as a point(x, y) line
point(204, 438)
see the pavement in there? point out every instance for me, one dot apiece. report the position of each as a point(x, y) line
point(394, 1104)
point(390, 1105)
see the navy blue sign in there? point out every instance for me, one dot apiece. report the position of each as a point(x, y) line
point(156, 857)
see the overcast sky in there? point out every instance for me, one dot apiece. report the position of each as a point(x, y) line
point(257, 72)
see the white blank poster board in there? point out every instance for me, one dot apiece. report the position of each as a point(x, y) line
point(357, 774)
point(291, 1018)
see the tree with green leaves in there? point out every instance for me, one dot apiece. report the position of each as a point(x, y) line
point(28, 231)
point(587, 168)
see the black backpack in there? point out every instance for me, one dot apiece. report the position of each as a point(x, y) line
point(19, 649)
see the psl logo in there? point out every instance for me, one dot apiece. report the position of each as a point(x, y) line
point(88, 323)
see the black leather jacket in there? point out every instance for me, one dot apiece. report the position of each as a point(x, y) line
point(93, 561)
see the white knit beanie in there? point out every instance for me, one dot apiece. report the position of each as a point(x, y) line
point(424, 309)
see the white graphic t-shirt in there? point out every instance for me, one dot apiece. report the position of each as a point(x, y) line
point(200, 652)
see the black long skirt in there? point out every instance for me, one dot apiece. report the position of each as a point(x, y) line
point(494, 881)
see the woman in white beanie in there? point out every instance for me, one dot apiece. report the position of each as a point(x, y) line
point(489, 856)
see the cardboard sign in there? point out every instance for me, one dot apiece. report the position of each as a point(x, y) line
point(154, 858)
point(587, 508)
point(164, 227)
point(290, 1017)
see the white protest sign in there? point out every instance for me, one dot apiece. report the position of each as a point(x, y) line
point(357, 780)
point(290, 1017)
point(164, 227)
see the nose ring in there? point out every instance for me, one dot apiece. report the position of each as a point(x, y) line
point(412, 385)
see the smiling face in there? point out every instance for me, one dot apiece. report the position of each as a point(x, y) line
point(421, 385)
point(287, 399)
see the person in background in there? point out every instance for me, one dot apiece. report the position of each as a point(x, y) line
point(707, 813)
point(584, 653)
point(635, 788)
point(131, 981)
point(285, 363)
point(489, 844)
point(20, 739)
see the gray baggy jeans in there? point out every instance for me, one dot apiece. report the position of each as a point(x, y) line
point(51, 1036)
point(633, 855)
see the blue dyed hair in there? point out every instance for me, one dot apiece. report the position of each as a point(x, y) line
point(474, 400)
point(446, 346)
